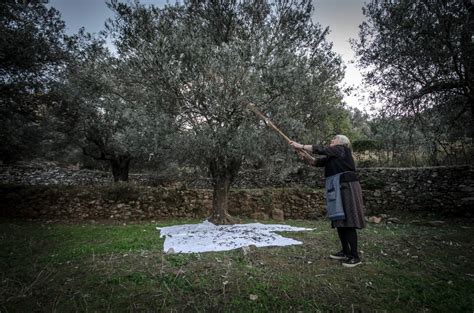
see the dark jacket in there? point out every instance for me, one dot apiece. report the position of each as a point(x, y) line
point(335, 160)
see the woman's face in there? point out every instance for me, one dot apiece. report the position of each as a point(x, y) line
point(334, 142)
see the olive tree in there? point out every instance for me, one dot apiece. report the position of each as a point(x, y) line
point(419, 55)
point(33, 50)
point(108, 114)
point(209, 59)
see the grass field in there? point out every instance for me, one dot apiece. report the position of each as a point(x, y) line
point(113, 267)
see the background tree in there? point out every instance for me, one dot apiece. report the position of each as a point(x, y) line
point(410, 141)
point(419, 55)
point(210, 58)
point(33, 48)
point(108, 114)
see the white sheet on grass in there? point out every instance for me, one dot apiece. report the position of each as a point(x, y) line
point(206, 236)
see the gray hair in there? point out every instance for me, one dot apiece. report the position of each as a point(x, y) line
point(343, 140)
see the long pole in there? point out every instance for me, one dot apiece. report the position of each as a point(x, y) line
point(268, 122)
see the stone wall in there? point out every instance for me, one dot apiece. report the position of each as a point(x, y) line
point(447, 190)
point(439, 189)
point(69, 176)
point(128, 202)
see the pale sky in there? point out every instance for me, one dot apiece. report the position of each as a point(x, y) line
point(342, 16)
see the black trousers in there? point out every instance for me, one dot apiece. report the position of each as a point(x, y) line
point(348, 238)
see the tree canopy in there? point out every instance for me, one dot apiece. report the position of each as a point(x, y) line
point(419, 55)
point(33, 48)
point(111, 117)
point(208, 59)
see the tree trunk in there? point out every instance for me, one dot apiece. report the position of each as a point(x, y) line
point(120, 167)
point(468, 46)
point(223, 173)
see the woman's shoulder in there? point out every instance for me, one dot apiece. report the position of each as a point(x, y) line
point(338, 150)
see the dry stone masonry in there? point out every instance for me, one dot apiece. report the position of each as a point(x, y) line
point(74, 194)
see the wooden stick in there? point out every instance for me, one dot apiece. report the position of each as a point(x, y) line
point(268, 122)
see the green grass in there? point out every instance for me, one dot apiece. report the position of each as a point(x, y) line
point(113, 267)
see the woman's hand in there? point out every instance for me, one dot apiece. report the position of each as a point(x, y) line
point(295, 145)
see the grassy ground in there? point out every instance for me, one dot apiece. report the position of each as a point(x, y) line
point(106, 267)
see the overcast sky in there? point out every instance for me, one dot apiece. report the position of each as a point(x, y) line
point(342, 16)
